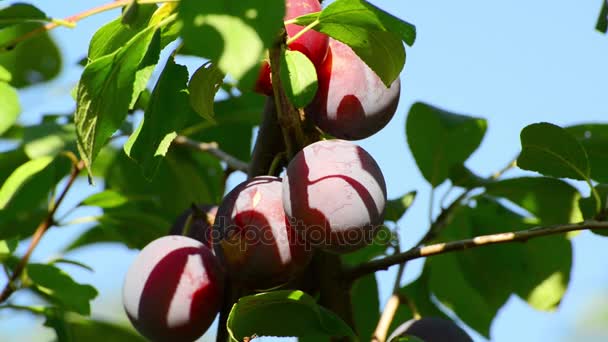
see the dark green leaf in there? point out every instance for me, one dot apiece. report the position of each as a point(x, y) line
point(185, 177)
point(82, 329)
point(588, 207)
point(594, 138)
point(552, 151)
point(149, 144)
point(7, 247)
point(283, 313)
point(551, 200)
point(133, 228)
point(5, 75)
point(462, 176)
point(105, 92)
point(396, 208)
point(602, 20)
point(72, 262)
point(299, 78)
point(59, 286)
point(233, 33)
point(366, 306)
point(32, 61)
point(407, 339)
point(203, 86)
point(106, 199)
point(20, 13)
point(130, 13)
point(476, 283)
point(9, 106)
point(440, 140)
point(383, 239)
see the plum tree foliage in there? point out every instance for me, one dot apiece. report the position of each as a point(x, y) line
point(291, 251)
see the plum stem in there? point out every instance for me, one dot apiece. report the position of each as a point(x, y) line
point(466, 244)
point(42, 228)
point(302, 32)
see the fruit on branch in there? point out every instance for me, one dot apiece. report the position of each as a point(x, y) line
point(196, 222)
point(312, 43)
point(352, 102)
point(431, 329)
point(335, 193)
point(255, 242)
point(173, 289)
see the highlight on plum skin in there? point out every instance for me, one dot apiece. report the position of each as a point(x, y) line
point(335, 193)
point(312, 44)
point(196, 222)
point(257, 245)
point(173, 289)
point(352, 102)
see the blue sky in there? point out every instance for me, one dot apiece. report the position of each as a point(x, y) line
point(511, 62)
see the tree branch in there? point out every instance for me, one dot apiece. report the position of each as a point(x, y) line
point(42, 228)
point(460, 245)
point(213, 149)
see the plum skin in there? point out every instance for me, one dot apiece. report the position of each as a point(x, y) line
point(335, 193)
point(173, 289)
point(201, 221)
point(352, 102)
point(431, 329)
point(313, 44)
point(255, 242)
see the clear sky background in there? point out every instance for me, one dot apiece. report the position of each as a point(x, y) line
point(512, 62)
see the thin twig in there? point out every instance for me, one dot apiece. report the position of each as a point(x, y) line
point(42, 228)
point(460, 245)
point(72, 20)
point(387, 318)
point(213, 149)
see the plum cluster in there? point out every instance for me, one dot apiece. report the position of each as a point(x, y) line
point(264, 233)
point(351, 102)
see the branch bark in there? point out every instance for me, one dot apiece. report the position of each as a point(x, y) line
point(213, 149)
point(42, 228)
point(479, 241)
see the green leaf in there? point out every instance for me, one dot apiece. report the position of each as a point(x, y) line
point(106, 199)
point(71, 262)
point(475, 283)
point(20, 176)
point(196, 177)
point(462, 176)
point(551, 200)
point(7, 247)
point(32, 61)
point(396, 208)
point(203, 86)
point(21, 13)
point(233, 34)
point(440, 140)
point(60, 287)
point(373, 34)
point(588, 207)
point(9, 106)
point(149, 144)
point(48, 139)
point(82, 329)
point(105, 92)
point(283, 313)
point(114, 35)
point(407, 339)
point(366, 306)
point(552, 151)
point(127, 225)
point(383, 239)
point(594, 139)
point(602, 20)
point(5, 75)
point(419, 293)
point(299, 78)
